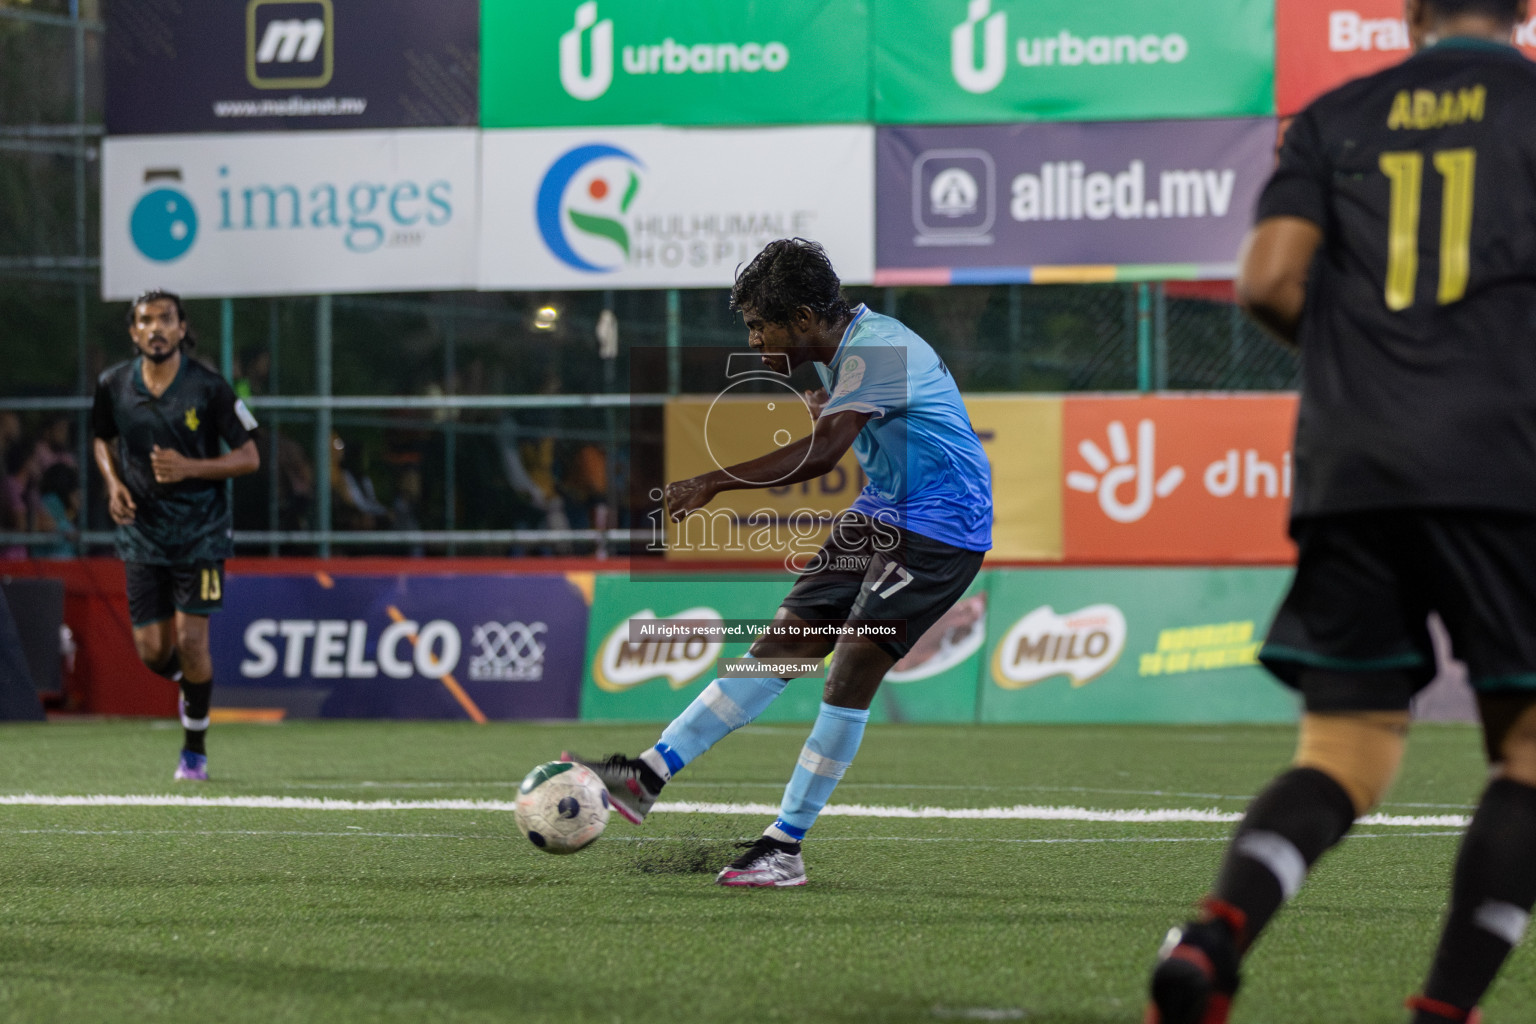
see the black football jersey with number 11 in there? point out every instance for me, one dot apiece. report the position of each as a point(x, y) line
point(1418, 338)
point(188, 521)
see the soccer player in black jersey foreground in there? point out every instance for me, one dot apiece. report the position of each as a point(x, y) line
point(158, 420)
point(1396, 244)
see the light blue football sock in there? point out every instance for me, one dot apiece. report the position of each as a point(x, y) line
point(823, 760)
point(726, 705)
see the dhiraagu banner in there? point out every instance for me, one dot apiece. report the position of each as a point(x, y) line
point(968, 61)
point(649, 680)
point(684, 62)
point(1132, 645)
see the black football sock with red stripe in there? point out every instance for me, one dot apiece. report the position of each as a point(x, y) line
point(1492, 891)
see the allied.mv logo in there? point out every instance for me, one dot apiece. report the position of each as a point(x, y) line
point(289, 44)
point(163, 224)
point(581, 205)
point(953, 197)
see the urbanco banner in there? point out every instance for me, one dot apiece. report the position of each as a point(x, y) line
point(986, 203)
point(608, 62)
point(269, 65)
point(1178, 478)
point(1132, 645)
point(1321, 44)
point(403, 646)
point(290, 213)
point(969, 61)
point(669, 207)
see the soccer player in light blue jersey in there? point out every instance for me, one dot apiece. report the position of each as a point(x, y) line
point(904, 553)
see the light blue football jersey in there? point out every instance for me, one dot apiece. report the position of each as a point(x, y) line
point(927, 472)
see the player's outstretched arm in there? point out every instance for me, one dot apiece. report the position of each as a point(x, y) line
point(119, 501)
point(1272, 273)
point(171, 466)
point(806, 459)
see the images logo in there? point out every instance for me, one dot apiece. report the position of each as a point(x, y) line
point(163, 224)
point(962, 48)
point(297, 39)
point(595, 82)
point(587, 186)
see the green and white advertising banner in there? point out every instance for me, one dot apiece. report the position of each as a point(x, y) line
point(684, 62)
point(1132, 645)
point(652, 680)
point(972, 61)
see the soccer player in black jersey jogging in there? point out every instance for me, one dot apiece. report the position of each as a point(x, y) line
point(158, 420)
point(1396, 244)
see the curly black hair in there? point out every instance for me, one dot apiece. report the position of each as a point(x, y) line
point(188, 340)
point(787, 274)
point(1504, 10)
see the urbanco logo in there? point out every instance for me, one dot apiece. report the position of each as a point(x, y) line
point(994, 48)
point(296, 35)
point(591, 84)
point(163, 224)
point(592, 187)
point(1138, 469)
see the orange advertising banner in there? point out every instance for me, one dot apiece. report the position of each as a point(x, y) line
point(1185, 479)
point(1320, 44)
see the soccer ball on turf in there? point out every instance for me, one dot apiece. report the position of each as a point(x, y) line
point(562, 807)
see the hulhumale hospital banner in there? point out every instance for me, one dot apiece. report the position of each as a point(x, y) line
point(969, 61)
point(669, 207)
point(992, 203)
point(1320, 44)
point(606, 62)
point(406, 646)
point(269, 65)
point(290, 213)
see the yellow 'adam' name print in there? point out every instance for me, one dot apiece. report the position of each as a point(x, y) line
point(1422, 108)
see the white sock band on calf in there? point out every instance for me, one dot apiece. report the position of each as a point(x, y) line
point(1504, 920)
point(1279, 855)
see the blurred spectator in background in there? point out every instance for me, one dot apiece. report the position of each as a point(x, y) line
point(354, 505)
point(54, 444)
point(59, 511)
point(13, 503)
point(20, 498)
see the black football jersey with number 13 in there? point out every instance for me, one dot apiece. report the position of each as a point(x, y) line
point(188, 521)
point(1418, 338)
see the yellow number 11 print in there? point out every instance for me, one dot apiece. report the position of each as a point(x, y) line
point(1405, 170)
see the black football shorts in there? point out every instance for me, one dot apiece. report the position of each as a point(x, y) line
point(157, 591)
point(869, 572)
point(1352, 633)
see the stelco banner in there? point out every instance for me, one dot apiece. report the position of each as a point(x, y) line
point(669, 207)
point(1132, 645)
point(269, 65)
point(986, 203)
point(406, 646)
point(1320, 44)
point(288, 213)
point(606, 62)
point(969, 61)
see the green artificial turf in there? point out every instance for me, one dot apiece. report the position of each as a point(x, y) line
point(189, 914)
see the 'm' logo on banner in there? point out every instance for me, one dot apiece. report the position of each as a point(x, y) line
point(289, 44)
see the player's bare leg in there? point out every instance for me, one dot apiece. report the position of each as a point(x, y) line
point(727, 704)
point(1493, 887)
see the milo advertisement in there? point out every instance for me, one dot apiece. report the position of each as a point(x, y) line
point(974, 61)
point(687, 62)
point(1132, 645)
point(633, 677)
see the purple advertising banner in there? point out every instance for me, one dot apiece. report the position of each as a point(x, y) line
point(1050, 202)
point(417, 646)
point(272, 65)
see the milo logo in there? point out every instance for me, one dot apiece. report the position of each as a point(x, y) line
point(1081, 645)
point(679, 657)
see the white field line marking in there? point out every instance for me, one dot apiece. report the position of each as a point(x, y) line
point(1019, 812)
point(502, 837)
